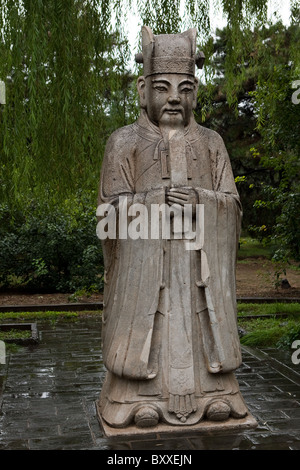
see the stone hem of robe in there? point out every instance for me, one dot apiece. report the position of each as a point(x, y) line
point(119, 402)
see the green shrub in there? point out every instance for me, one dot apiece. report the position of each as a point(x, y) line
point(14, 334)
point(287, 339)
point(49, 247)
point(270, 332)
point(264, 337)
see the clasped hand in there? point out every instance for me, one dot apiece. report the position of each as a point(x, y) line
point(182, 196)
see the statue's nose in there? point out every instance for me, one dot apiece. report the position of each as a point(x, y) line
point(174, 99)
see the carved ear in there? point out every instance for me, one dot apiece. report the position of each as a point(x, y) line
point(199, 59)
point(141, 86)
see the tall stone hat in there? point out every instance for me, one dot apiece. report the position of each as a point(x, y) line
point(169, 53)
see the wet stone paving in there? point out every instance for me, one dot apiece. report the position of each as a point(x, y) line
point(48, 393)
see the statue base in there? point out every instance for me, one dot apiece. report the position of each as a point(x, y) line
point(203, 427)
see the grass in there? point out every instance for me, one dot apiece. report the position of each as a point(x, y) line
point(44, 315)
point(252, 248)
point(269, 332)
point(15, 334)
point(268, 309)
point(51, 316)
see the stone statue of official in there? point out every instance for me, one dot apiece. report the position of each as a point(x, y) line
point(170, 337)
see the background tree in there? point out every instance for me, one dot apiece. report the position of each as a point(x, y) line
point(67, 68)
point(67, 90)
point(263, 123)
point(278, 121)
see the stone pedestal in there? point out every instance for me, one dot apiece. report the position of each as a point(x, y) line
point(204, 427)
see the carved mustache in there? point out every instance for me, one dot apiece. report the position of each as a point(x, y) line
point(168, 108)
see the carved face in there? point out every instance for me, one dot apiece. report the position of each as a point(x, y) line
point(168, 98)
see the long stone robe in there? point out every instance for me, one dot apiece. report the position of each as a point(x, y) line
point(170, 338)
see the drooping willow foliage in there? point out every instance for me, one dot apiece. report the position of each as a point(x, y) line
point(67, 65)
point(65, 70)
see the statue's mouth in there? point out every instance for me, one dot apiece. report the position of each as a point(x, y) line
point(170, 112)
point(173, 111)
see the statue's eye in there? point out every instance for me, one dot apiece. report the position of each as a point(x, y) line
point(186, 90)
point(160, 88)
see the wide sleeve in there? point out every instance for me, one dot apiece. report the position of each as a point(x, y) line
point(133, 267)
point(220, 234)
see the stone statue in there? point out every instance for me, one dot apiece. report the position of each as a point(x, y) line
point(170, 337)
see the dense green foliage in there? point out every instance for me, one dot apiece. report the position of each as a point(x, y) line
point(262, 131)
point(278, 153)
point(67, 86)
point(66, 64)
point(51, 248)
